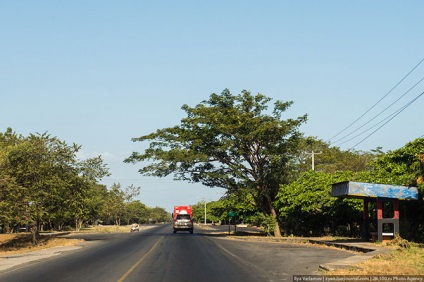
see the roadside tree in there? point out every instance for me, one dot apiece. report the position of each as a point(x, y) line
point(136, 212)
point(115, 206)
point(331, 159)
point(228, 141)
point(405, 166)
point(158, 214)
point(42, 181)
point(307, 208)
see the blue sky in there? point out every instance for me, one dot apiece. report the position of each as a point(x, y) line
point(99, 73)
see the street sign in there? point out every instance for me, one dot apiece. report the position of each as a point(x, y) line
point(232, 214)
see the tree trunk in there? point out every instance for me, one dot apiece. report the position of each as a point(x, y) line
point(277, 231)
point(7, 228)
point(271, 209)
point(78, 224)
point(34, 233)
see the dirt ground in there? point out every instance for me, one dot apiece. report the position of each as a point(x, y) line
point(21, 243)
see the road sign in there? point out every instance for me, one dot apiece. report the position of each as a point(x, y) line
point(232, 214)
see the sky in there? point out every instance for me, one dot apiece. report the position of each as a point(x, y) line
point(99, 73)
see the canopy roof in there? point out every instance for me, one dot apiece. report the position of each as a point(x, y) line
point(360, 190)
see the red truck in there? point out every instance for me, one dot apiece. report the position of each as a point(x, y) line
point(183, 219)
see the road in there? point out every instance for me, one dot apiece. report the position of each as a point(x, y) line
point(158, 255)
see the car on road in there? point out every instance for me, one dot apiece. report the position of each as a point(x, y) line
point(183, 219)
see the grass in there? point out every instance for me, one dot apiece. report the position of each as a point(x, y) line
point(21, 242)
point(402, 260)
point(106, 229)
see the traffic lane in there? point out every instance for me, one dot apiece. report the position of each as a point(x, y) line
point(106, 261)
point(205, 257)
point(159, 255)
point(280, 261)
point(280, 258)
point(182, 256)
point(192, 257)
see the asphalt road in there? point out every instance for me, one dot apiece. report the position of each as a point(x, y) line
point(158, 255)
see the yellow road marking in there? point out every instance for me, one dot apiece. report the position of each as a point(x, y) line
point(138, 262)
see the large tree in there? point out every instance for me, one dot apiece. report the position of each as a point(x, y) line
point(228, 141)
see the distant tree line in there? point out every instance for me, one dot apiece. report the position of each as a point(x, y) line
point(43, 186)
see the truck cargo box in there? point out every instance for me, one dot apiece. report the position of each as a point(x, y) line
point(183, 219)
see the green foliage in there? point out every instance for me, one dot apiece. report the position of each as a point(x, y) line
point(95, 201)
point(405, 166)
point(229, 141)
point(116, 205)
point(241, 203)
point(43, 167)
point(307, 208)
point(331, 159)
point(136, 212)
point(42, 183)
point(119, 207)
point(268, 222)
point(402, 166)
point(157, 215)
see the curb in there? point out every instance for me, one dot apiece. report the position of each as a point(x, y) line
point(14, 260)
point(366, 254)
point(353, 248)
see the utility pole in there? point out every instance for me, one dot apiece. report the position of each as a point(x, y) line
point(313, 158)
point(204, 201)
point(205, 209)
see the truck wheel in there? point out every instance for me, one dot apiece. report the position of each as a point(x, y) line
point(175, 231)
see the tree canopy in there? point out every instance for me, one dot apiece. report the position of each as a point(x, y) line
point(229, 141)
point(44, 185)
point(41, 180)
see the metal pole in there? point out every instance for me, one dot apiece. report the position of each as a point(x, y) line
point(313, 158)
point(205, 210)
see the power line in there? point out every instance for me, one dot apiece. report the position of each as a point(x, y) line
point(346, 128)
point(410, 89)
point(401, 110)
point(366, 130)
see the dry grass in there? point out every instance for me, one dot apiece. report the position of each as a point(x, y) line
point(21, 243)
point(401, 261)
point(107, 229)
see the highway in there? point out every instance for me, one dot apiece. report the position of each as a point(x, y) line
point(158, 255)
